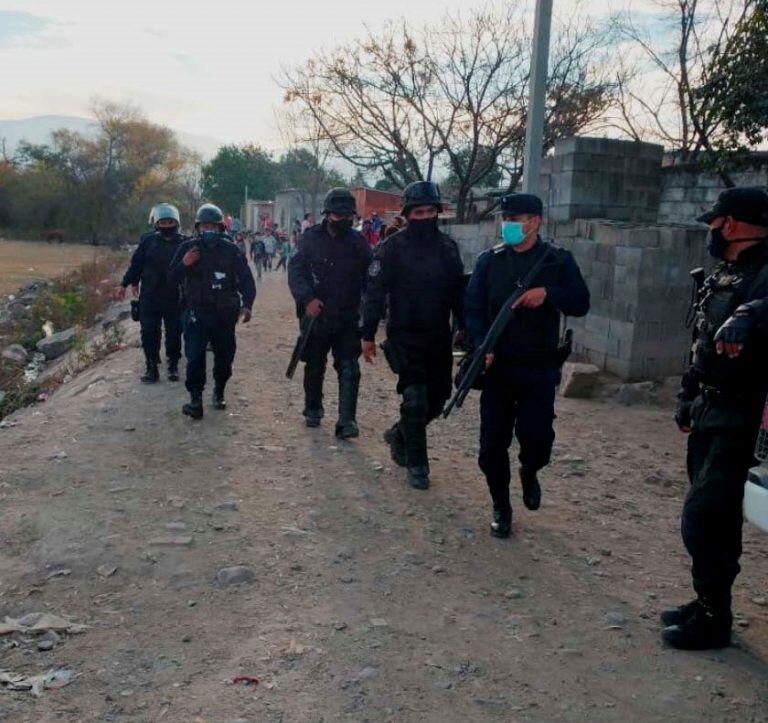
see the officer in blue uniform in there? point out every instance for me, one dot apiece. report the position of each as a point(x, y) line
point(218, 290)
point(522, 374)
point(159, 296)
point(326, 277)
point(419, 272)
point(720, 406)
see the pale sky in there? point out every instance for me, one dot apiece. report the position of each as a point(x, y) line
point(205, 68)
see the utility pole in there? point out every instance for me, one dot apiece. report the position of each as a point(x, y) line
point(534, 130)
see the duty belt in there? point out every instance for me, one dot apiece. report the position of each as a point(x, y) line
point(713, 394)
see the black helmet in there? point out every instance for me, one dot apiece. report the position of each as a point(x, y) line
point(208, 213)
point(421, 193)
point(340, 201)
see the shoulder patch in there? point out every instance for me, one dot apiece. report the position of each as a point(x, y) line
point(374, 269)
point(498, 248)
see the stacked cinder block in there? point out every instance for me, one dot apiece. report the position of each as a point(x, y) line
point(638, 276)
point(473, 238)
point(686, 193)
point(603, 178)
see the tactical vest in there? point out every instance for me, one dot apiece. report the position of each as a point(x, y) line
point(337, 268)
point(425, 277)
point(723, 291)
point(211, 284)
point(159, 251)
point(532, 335)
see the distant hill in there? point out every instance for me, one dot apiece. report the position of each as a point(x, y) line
point(38, 129)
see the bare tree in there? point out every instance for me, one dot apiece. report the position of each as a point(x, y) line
point(410, 104)
point(665, 102)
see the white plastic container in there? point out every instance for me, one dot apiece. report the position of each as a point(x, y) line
point(756, 497)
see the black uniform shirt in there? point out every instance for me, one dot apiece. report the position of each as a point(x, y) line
point(150, 263)
point(424, 281)
point(329, 268)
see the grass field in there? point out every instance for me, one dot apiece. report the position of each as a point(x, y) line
point(22, 261)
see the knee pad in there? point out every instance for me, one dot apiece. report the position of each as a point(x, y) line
point(415, 401)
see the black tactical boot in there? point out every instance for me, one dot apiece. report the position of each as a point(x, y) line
point(151, 375)
point(418, 477)
point(313, 417)
point(679, 615)
point(502, 523)
point(531, 489)
point(708, 627)
point(394, 438)
point(173, 371)
point(218, 398)
point(502, 509)
point(313, 393)
point(413, 424)
point(349, 382)
point(194, 408)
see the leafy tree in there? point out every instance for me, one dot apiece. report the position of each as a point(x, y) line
point(225, 177)
point(736, 89)
point(100, 186)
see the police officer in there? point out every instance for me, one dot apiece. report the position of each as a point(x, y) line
point(419, 271)
point(159, 296)
point(218, 289)
point(720, 404)
point(523, 371)
point(326, 277)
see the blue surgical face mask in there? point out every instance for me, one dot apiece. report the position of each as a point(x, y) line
point(512, 233)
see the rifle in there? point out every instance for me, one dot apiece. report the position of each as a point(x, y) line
point(301, 345)
point(477, 366)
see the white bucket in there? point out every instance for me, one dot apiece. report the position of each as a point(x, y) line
point(756, 497)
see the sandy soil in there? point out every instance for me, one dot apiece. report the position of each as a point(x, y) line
point(370, 601)
point(21, 261)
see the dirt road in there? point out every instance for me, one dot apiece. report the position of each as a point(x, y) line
point(369, 601)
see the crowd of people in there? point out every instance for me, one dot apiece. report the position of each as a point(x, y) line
point(346, 276)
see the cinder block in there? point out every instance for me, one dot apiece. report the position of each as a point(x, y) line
point(629, 256)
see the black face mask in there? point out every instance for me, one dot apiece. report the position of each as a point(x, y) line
point(716, 243)
point(168, 231)
point(422, 229)
point(340, 228)
point(209, 238)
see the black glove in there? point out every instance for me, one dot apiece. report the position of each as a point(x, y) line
point(737, 328)
point(683, 414)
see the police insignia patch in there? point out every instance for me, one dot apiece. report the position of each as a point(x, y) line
point(374, 268)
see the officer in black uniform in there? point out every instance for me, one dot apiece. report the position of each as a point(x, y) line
point(159, 296)
point(523, 372)
point(720, 404)
point(326, 277)
point(218, 289)
point(419, 271)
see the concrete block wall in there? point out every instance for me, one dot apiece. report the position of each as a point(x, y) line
point(687, 193)
point(473, 238)
point(638, 276)
point(602, 178)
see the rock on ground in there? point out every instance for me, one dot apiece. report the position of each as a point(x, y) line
point(579, 380)
point(15, 354)
point(57, 344)
point(638, 393)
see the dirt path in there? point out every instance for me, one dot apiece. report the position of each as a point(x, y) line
point(371, 601)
